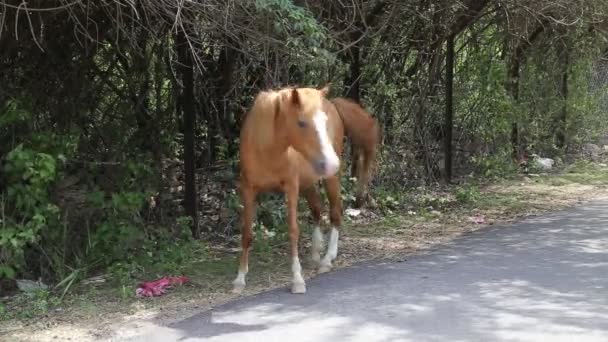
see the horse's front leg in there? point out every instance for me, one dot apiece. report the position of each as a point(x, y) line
point(332, 185)
point(298, 285)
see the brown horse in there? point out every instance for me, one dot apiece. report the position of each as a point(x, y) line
point(290, 139)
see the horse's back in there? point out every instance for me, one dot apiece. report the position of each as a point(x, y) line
point(335, 126)
point(359, 124)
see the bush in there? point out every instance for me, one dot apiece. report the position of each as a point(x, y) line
point(25, 206)
point(46, 234)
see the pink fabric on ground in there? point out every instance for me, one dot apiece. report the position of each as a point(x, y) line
point(158, 287)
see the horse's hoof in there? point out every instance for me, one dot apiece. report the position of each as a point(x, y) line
point(298, 288)
point(324, 268)
point(238, 288)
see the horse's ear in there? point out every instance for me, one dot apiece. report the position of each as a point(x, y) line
point(325, 90)
point(295, 97)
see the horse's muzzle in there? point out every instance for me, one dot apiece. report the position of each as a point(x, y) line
point(326, 167)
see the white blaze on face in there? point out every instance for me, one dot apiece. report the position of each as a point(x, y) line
point(332, 162)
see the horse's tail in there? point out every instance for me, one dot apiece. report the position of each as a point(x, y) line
point(364, 133)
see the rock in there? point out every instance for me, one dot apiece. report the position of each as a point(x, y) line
point(26, 285)
point(435, 213)
point(96, 280)
point(591, 150)
point(603, 140)
point(543, 163)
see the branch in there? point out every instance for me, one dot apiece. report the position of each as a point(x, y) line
point(23, 6)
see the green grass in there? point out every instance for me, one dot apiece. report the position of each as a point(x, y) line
point(29, 305)
point(585, 173)
point(461, 200)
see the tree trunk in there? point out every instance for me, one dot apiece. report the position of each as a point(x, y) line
point(449, 110)
point(354, 92)
point(517, 57)
point(560, 132)
point(226, 67)
point(513, 91)
point(141, 98)
point(354, 79)
point(186, 67)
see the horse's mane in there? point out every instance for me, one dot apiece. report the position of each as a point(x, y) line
point(261, 117)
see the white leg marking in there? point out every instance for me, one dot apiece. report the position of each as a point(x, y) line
point(298, 285)
point(239, 282)
point(327, 149)
point(332, 251)
point(317, 244)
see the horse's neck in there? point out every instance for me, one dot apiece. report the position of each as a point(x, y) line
point(271, 141)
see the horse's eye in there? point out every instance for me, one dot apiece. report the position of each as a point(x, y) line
point(302, 124)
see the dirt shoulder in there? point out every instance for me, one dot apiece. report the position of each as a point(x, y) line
point(100, 311)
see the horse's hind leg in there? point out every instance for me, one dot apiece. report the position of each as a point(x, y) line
point(248, 200)
point(332, 186)
point(314, 203)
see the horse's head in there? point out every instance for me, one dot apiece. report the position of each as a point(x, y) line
point(306, 128)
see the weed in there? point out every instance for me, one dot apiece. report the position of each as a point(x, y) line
point(467, 194)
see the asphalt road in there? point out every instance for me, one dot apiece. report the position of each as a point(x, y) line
point(543, 279)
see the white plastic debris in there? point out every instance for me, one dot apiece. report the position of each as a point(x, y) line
point(352, 212)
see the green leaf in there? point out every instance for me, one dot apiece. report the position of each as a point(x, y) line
point(7, 272)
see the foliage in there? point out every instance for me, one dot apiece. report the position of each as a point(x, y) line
point(35, 222)
point(26, 207)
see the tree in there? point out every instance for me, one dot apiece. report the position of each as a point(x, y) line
point(186, 66)
point(449, 109)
